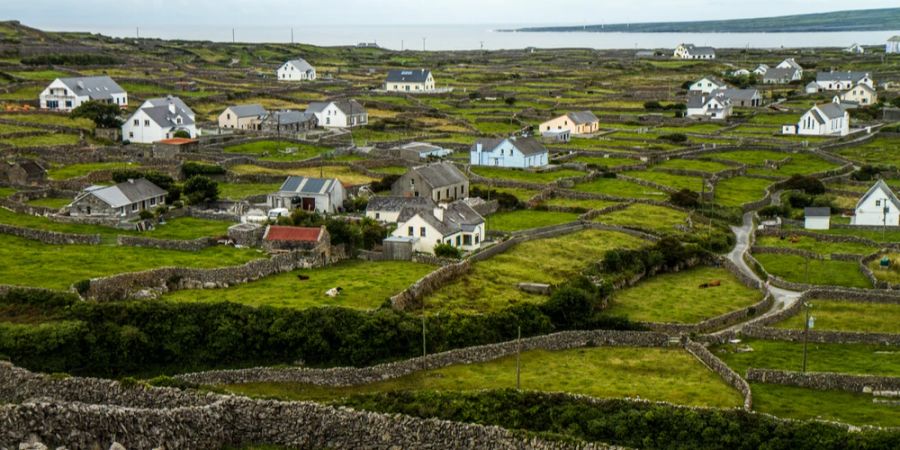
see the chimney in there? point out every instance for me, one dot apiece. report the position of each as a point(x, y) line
point(172, 108)
point(439, 213)
point(479, 147)
point(131, 181)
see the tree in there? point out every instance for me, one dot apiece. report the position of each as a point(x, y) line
point(104, 115)
point(510, 101)
point(685, 198)
point(182, 134)
point(446, 251)
point(201, 189)
point(809, 185)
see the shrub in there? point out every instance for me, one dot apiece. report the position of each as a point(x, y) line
point(685, 198)
point(145, 214)
point(505, 201)
point(73, 59)
point(104, 115)
point(447, 251)
point(653, 106)
point(183, 134)
point(200, 189)
point(676, 138)
point(384, 184)
point(191, 168)
point(809, 185)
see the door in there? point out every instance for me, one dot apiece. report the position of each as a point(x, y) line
point(308, 204)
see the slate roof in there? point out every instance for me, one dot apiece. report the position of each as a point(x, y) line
point(290, 116)
point(528, 146)
point(96, 88)
point(180, 105)
point(345, 105)
point(841, 76)
point(793, 63)
point(582, 117)
point(408, 76)
point(831, 110)
point(301, 65)
point(715, 80)
point(293, 234)
point(126, 193)
point(307, 185)
point(739, 94)
point(253, 110)
point(780, 74)
point(440, 174)
point(811, 211)
point(397, 204)
point(421, 147)
point(694, 50)
point(458, 216)
point(880, 184)
point(163, 116)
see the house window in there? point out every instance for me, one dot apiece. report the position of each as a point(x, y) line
point(137, 122)
point(134, 207)
point(131, 134)
point(877, 202)
point(467, 239)
point(477, 240)
point(152, 202)
point(422, 231)
point(377, 215)
point(411, 231)
point(457, 241)
point(146, 123)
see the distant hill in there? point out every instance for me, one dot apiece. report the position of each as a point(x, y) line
point(859, 20)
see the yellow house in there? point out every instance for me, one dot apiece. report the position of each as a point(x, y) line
point(242, 117)
point(577, 123)
point(861, 94)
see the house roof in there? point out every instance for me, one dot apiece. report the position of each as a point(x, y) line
point(811, 211)
point(440, 174)
point(694, 50)
point(582, 117)
point(841, 76)
point(180, 105)
point(894, 39)
point(408, 76)
point(831, 110)
point(792, 62)
point(740, 94)
point(346, 106)
point(177, 141)
point(528, 146)
point(96, 88)
point(458, 216)
point(307, 185)
point(293, 234)
point(396, 204)
point(289, 116)
point(163, 116)
point(718, 81)
point(780, 74)
point(300, 64)
point(879, 185)
point(126, 193)
point(252, 110)
point(421, 147)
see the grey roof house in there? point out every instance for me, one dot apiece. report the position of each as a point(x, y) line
point(65, 94)
point(123, 201)
point(441, 182)
point(324, 195)
point(288, 121)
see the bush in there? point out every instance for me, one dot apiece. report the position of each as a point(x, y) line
point(809, 185)
point(773, 211)
point(447, 251)
point(145, 214)
point(868, 172)
point(74, 59)
point(191, 168)
point(385, 184)
point(104, 115)
point(685, 198)
point(505, 201)
point(200, 189)
point(183, 134)
point(653, 106)
point(676, 138)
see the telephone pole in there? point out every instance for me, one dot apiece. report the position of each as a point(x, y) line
point(423, 44)
point(138, 32)
point(519, 359)
point(232, 35)
point(292, 35)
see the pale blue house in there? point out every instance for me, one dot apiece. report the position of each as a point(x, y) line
point(512, 152)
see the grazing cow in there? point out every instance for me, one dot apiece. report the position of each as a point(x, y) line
point(334, 292)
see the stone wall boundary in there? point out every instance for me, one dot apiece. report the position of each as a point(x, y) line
point(718, 366)
point(50, 237)
point(825, 381)
point(193, 245)
point(821, 337)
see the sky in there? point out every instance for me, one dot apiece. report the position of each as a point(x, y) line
point(131, 13)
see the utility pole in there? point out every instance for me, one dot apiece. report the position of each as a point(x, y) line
point(424, 349)
point(519, 359)
point(482, 45)
point(138, 32)
point(807, 305)
point(232, 35)
point(423, 44)
point(292, 35)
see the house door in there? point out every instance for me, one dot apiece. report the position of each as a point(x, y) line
point(308, 204)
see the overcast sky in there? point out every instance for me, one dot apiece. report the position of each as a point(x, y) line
point(122, 13)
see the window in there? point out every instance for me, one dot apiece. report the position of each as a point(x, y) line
point(877, 202)
point(457, 241)
point(137, 122)
point(477, 240)
point(422, 231)
point(131, 134)
point(146, 122)
point(134, 207)
point(152, 202)
point(377, 215)
point(467, 239)
point(411, 231)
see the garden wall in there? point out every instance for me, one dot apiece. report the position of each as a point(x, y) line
point(825, 381)
point(718, 366)
point(193, 245)
point(51, 237)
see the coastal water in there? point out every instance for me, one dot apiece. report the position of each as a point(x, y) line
point(473, 37)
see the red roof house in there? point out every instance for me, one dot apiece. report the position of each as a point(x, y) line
point(293, 238)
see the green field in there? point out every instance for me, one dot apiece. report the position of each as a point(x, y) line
point(878, 151)
point(275, 150)
point(849, 316)
point(694, 164)
point(811, 244)
point(491, 285)
point(80, 170)
point(526, 176)
point(740, 190)
point(240, 191)
point(50, 202)
point(342, 173)
point(525, 219)
point(30, 261)
point(678, 298)
point(859, 359)
point(605, 162)
point(522, 194)
point(42, 140)
point(836, 406)
point(620, 188)
point(827, 272)
point(676, 182)
point(890, 274)
point(366, 285)
point(653, 374)
point(578, 203)
point(645, 217)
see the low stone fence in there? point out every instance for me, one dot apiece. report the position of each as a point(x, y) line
point(782, 233)
point(825, 381)
point(821, 337)
point(714, 323)
point(51, 237)
point(158, 281)
point(412, 296)
point(352, 376)
point(193, 245)
point(718, 366)
point(756, 249)
point(645, 183)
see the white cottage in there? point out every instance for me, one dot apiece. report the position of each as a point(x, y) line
point(66, 94)
point(892, 45)
point(714, 106)
point(828, 119)
point(509, 152)
point(296, 70)
point(707, 85)
point(410, 81)
point(455, 224)
point(691, 51)
point(842, 81)
point(339, 113)
point(158, 119)
point(324, 195)
point(879, 206)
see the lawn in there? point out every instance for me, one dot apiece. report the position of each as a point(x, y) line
point(240, 191)
point(646, 217)
point(694, 164)
point(605, 162)
point(860, 359)
point(828, 272)
point(800, 164)
point(578, 203)
point(80, 170)
point(525, 219)
point(813, 245)
point(42, 140)
point(879, 151)
point(342, 173)
point(750, 157)
point(491, 285)
point(677, 297)
point(620, 188)
point(526, 176)
point(520, 193)
point(275, 150)
point(366, 285)
point(51, 119)
point(875, 235)
point(740, 190)
point(38, 264)
point(654, 374)
point(676, 182)
point(6, 191)
point(833, 315)
point(50, 202)
point(840, 406)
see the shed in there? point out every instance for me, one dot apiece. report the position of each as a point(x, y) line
point(817, 218)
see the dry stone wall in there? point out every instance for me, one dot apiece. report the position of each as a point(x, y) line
point(718, 366)
point(825, 381)
point(193, 245)
point(51, 237)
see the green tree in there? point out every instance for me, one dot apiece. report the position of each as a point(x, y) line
point(182, 134)
point(104, 115)
point(201, 189)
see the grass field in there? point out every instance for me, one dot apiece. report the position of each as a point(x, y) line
point(50, 202)
point(676, 182)
point(80, 170)
point(677, 297)
point(51, 119)
point(857, 359)
point(838, 406)
point(620, 188)
point(491, 285)
point(240, 191)
point(526, 176)
point(694, 164)
point(879, 151)
point(605, 162)
point(578, 203)
point(366, 285)
point(890, 274)
point(751, 157)
point(646, 217)
point(33, 260)
point(740, 190)
point(524, 219)
point(521, 194)
point(274, 150)
point(813, 245)
point(343, 173)
point(828, 272)
point(42, 140)
point(849, 316)
point(654, 374)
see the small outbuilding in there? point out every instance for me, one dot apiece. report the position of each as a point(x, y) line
point(817, 218)
point(279, 237)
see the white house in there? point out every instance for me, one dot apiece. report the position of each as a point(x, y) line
point(714, 106)
point(817, 218)
point(456, 224)
point(742, 98)
point(842, 81)
point(66, 94)
point(879, 206)
point(855, 49)
point(740, 73)
point(761, 69)
point(707, 85)
point(861, 95)
point(242, 117)
point(387, 209)
point(296, 70)
point(124, 200)
point(892, 45)
point(324, 195)
point(691, 51)
point(411, 81)
point(158, 119)
point(828, 119)
point(339, 113)
point(782, 75)
point(509, 152)
point(791, 63)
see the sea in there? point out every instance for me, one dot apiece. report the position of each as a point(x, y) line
point(475, 37)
